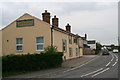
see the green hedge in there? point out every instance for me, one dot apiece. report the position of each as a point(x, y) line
point(31, 62)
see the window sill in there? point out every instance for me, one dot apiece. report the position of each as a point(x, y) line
point(39, 50)
point(20, 51)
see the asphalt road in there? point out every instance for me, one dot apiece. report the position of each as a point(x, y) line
point(101, 67)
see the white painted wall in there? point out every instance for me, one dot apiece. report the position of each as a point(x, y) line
point(92, 46)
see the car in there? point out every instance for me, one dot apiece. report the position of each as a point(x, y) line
point(115, 51)
point(105, 52)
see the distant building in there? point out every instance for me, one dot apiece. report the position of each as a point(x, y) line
point(92, 44)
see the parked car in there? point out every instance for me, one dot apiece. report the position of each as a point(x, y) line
point(115, 50)
point(105, 52)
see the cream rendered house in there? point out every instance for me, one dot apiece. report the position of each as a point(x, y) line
point(28, 34)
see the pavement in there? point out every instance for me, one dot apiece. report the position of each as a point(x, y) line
point(67, 65)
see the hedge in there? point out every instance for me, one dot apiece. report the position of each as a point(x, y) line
point(31, 62)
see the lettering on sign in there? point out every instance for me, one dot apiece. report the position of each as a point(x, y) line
point(25, 23)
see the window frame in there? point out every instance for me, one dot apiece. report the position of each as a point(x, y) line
point(70, 52)
point(19, 45)
point(39, 44)
point(70, 39)
point(64, 40)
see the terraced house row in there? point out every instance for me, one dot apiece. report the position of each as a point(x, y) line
point(28, 34)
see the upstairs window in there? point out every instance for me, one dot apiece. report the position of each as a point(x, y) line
point(64, 44)
point(19, 44)
point(76, 40)
point(39, 43)
point(70, 39)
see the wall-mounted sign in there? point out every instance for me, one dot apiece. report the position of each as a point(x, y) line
point(25, 23)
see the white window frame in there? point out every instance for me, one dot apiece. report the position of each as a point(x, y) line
point(39, 44)
point(70, 52)
point(70, 39)
point(19, 45)
point(64, 41)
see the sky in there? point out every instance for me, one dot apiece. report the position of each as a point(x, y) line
point(97, 18)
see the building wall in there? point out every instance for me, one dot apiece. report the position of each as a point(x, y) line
point(88, 51)
point(29, 34)
point(92, 46)
point(81, 42)
point(0, 42)
point(57, 41)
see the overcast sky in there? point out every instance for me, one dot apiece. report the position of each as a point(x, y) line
point(99, 20)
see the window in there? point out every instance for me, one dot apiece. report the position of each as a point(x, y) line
point(76, 40)
point(70, 39)
point(39, 43)
point(64, 43)
point(77, 51)
point(70, 52)
point(19, 44)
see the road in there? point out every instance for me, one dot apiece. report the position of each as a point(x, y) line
point(101, 67)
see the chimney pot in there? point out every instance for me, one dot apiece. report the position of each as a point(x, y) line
point(55, 21)
point(45, 11)
point(46, 16)
point(68, 28)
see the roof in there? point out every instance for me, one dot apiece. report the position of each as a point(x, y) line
point(91, 42)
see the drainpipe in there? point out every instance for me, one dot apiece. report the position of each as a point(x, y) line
point(51, 36)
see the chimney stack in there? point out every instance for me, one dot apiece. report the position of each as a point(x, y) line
point(85, 36)
point(55, 21)
point(46, 16)
point(68, 28)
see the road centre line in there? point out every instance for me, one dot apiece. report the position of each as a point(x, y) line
point(114, 64)
point(92, 72)
point(110, 60)
point(116, 56)
point(80, 65)
point(100, 72)
point(116, 60)
point(108, 63)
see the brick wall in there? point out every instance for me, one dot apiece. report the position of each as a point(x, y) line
point(88, 52)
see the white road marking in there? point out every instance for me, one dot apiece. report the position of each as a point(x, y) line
point(114, 64)
point(116, 56)
point(117, 60)
point(110, 60)
point(92, 72)
point(97, 73)
point(80, 65)
point(100, 72)
point(108, 64)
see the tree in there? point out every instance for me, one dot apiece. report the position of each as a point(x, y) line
point(98, 47)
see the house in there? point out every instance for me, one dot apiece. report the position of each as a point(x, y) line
point(88, 48)
point(92, 44)
point(28, 34)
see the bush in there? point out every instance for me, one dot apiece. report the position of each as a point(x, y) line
point(31, 62)
point(51, 49)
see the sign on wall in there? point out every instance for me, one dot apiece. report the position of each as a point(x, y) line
point(25, 23)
